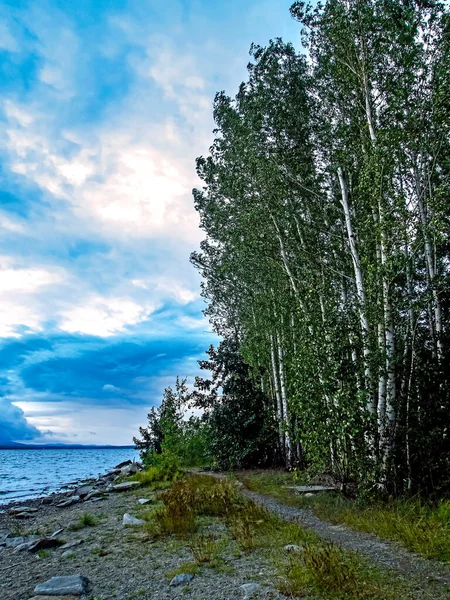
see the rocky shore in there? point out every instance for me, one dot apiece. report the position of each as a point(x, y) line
point(91, 542)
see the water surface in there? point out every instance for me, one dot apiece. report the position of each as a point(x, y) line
point(32, 473)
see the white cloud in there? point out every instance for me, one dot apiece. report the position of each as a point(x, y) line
point(104, 317)
point(112, 425)
point(12, 225)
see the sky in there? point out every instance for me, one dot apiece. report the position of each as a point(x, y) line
point(105, 105)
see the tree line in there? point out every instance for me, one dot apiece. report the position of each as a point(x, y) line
point(325, 203)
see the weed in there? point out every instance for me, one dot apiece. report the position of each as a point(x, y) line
point(190, 568)
point(88, 520)
point(206, 548)
point(187, 499)
point(44, 553)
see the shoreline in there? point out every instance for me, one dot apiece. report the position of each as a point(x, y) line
point(49, 482)
point(68, 489)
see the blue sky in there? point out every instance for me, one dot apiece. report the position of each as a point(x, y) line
point(105, 104)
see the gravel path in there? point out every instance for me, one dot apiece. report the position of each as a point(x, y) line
point(384, 553)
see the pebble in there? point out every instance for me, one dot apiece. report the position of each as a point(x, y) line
point(181, 579)
point(144, 501)
point(67, 554)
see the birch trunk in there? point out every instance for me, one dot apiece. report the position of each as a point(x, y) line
point(286, 416)
point(277, 395)
point(360, 290)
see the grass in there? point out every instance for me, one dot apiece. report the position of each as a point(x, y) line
point(419, 527)
point(85, 520)
point(190, 568)
point(320, 570)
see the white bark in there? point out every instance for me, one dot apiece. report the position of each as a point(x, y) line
point(277, 394)
point(286, 417)
point(360, 290)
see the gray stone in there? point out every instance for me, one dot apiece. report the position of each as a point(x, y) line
point(56, 533)
point(293, 548)
point(63, 586)
point(71, 544)
point(45, 544)
point(17, 541)
point(54, 598)
point(130, 520)
point(84, 491)
point(129, 470)
point(67, 554)
point(22, 509)
point(124, 487)
point(24, 515)
point(23, 547)
point(144, 501)
point(125, 463)
point(250, 588)
point(47, 500)
point(4, 534)
point(311, 489)
point(182, 579)
point(69, 502)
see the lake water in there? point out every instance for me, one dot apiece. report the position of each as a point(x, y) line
point(32, 473)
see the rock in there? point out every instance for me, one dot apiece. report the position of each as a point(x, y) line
point(24, 515)
point(129, 520)
point(67, 554)
point(4, 534)
point(92, 494)
point(69, 502)
point(124, 487)
point(45, 544)
point(22, 509)
point(47, 500)
point(75, 585)
point(84, 491)
point(125, 463)
point(56, 533)
point(249, 589)
point(71, 544)
point(310, 489)
point(130, 469)
point(182, 579)
point(293, 548)
point(54, 598)
point(309, 495)
point(23, 547)
point(144, 501)
point(17, 541)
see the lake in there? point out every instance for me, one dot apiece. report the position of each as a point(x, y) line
point(32, 473)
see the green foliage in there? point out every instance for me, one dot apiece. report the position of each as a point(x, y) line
point(324, 203)
point(241, 428)
point(170, 434)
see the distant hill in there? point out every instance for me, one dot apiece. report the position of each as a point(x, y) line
point(17, 446)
